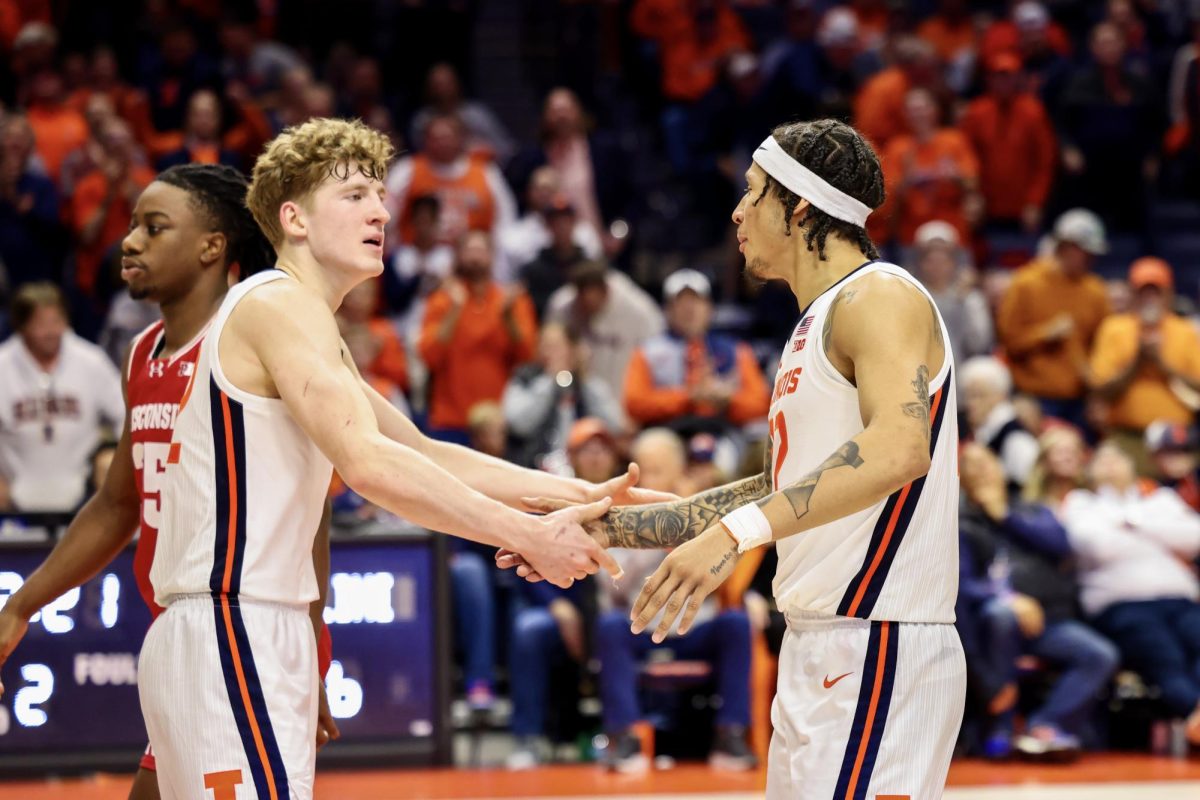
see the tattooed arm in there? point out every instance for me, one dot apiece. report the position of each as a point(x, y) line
point(887, 341)
point(671, 524)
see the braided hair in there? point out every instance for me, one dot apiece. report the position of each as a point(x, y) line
point(220, 191)
point(842, 157)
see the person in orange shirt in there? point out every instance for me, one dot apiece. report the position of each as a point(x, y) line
point(201, 142)
point(374, 342)
point(692, 59)
point(474, 335)
point(1146, 364)
point(930, 174)
point(879, 106)
point(1014, 140)
point(951, 31)
point(57, 127)
point(472, 192)
point(689, 377)
point(104, 80)
point(1028, 27)
point(103, 202)
point(1049, 316)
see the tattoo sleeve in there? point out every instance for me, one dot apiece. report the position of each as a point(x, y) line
point(670, 524)
point(800, 493)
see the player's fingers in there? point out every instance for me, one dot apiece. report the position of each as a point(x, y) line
point(620, 483)
point(508, 560)
point(588, 511)
point(524, 571)
point(690, 611)
point(534, 577)
point(322, 737)
point(544, 505)
point(606, 561)
point(675, 603)
point(331, 727)
point(655, 604)
point(650, 586)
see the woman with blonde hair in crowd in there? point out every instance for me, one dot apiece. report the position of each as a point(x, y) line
point(1062, 459)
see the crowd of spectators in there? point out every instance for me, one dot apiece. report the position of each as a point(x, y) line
point(568, 296)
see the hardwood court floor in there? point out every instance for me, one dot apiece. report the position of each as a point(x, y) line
point(1098, 777)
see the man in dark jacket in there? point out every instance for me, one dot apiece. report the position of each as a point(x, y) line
point(1018, 594)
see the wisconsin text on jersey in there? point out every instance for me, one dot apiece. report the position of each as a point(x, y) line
point(153, 416)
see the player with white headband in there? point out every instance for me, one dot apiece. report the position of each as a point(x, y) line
point(859, 494)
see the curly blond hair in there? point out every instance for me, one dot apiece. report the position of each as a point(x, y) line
point(300, 158)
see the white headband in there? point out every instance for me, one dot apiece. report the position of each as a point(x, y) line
point(800, 180)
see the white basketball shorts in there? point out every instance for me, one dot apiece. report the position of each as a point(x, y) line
point(229, 692)
point(865, 710)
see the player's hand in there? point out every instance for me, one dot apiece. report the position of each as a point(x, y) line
point(688, 575)
point(12, 630)
point(561, 551)
point(327, 729)
point(624, 491)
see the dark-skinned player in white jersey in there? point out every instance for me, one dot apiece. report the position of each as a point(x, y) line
point(859, 494)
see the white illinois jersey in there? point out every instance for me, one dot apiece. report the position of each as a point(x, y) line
point(898, 559)
point(244, 488)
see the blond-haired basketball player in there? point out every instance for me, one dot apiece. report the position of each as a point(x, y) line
point(860, 493)
point(227, 677)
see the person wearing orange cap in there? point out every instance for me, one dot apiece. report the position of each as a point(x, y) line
point(1146, 364)
point(1012, 136)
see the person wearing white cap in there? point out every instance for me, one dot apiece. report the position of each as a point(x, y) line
point(690, 377)
point(943, 266)
point(862, 463)
point(1050, 314)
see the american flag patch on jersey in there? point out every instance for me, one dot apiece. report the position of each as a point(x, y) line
point(805, 324)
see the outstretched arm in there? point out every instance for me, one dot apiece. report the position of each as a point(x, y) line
point(883, 335)
point(497, 478)
point(285, 336)
point(104, 526)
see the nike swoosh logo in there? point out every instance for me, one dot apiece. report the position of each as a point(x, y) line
point(829, 683)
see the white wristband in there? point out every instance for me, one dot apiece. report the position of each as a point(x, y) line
point(748, 526)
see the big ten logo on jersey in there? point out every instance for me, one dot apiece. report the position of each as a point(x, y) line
point(786, 383)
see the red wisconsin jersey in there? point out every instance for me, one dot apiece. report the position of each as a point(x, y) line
point(155, 387)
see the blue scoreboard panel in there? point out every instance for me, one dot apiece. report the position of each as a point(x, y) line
point(71, 698)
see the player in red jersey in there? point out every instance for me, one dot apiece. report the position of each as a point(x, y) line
point(190, 233)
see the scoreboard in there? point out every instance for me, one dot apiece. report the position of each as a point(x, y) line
point(71, 698)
